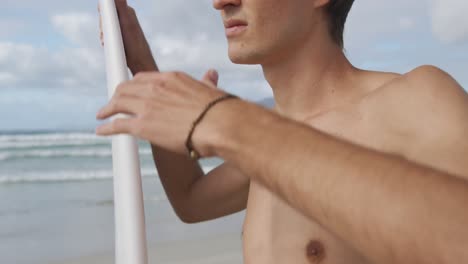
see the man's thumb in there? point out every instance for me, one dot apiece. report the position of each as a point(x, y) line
point(211, 77)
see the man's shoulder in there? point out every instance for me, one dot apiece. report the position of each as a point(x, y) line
point(426, 104)
point(426, 80)
point(422, 101)
point(428, 111)
point(419, 89)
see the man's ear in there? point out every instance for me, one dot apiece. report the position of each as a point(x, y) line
point(321, 3)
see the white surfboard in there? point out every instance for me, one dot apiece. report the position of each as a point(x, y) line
point(130, 231)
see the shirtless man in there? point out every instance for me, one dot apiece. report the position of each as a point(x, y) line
point(352, 166)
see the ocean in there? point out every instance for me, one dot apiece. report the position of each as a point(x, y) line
point(56, 198)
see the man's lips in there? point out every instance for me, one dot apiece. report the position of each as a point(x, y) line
point(234, 23)
point(234, 27)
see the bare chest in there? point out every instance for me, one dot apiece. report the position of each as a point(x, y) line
point(274, 232)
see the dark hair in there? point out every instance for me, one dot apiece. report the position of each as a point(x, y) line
point(338, 12)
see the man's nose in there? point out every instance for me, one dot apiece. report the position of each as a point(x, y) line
point(221, 4)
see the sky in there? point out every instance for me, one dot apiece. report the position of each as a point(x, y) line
point(52, 74)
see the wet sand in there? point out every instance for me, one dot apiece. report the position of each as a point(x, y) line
point(222, 249)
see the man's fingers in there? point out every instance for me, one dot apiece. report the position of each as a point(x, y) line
point(211, 78)
point(121, 3)
point(122, 105)
point(118, 126)
point(145, 76)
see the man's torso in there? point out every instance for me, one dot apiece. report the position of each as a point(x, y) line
point(274, 232)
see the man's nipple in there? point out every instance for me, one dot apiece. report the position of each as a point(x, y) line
point(315, 251)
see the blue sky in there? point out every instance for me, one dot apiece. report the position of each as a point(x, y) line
point(52, 72)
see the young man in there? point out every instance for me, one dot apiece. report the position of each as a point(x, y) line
point(352, 166)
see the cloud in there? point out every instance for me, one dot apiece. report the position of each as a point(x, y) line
point(197, 43)
point(78, 62)
point(10, 26)
point(48, 6)
point(53, 45)
point(27, 66)
point(199, 52)
point(8, 78)
point(198, 16)
point(18, 62)
point(406, 23)
point(79, 28)
point(76, 65)
point(188, 36)
point(450, 20)
point(372, 20)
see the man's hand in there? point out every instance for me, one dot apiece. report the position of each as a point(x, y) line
point(138, 52)
point(162, 107)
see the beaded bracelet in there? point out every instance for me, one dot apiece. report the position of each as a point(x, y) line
point(188, 143)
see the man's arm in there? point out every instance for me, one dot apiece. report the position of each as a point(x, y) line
point(197, 197)
point(194, 196)
point(390, 209)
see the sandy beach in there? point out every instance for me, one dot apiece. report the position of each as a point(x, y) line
point(57, 206)
point(221, 249)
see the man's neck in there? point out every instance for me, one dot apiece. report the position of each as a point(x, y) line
point(314, 79)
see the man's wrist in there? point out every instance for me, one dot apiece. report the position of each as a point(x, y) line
point(213, 131)
point(224, 127)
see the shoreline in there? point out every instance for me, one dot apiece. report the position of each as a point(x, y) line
point(220, 249)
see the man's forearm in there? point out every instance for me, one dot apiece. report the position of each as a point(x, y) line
point(390, 209)
point(176, 172)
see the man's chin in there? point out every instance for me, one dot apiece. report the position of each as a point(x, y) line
point(238, 58)
point(243, 62)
